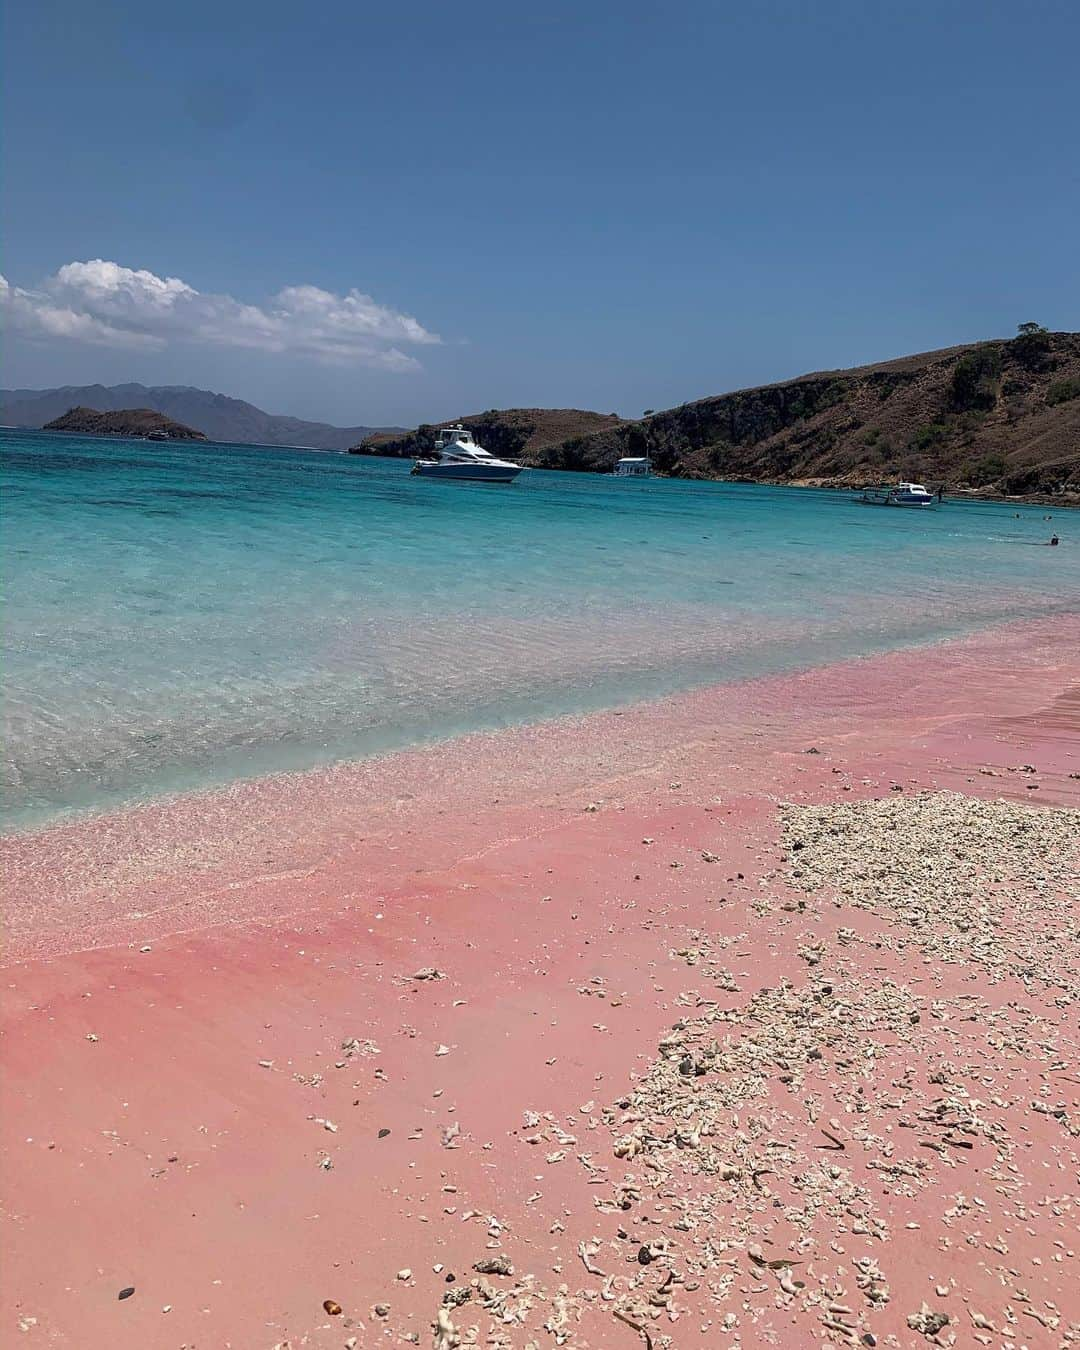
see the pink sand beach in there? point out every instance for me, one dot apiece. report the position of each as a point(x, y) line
point(292, 1058)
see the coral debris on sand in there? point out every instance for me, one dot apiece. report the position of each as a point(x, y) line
point(904, 1099)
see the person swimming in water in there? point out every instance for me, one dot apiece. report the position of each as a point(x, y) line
point(1053, 541)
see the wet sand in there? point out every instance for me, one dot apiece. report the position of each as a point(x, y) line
point(212, 1013)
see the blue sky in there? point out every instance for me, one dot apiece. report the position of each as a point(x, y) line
point(612, 206)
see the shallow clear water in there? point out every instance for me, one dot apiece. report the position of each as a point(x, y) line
point(180, 616)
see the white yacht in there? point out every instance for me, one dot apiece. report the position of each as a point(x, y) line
point(903, 494)
point(458, 456)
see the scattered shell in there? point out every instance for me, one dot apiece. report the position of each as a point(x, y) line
point(927, 1322)
point(494, 1265)
point(446, 1334)
point(355, 1045)
point(587, 1250)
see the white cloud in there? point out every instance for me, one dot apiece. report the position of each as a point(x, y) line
point(105, 304)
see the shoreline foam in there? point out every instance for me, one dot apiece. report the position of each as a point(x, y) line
point(170, 1094)
point(227, 853)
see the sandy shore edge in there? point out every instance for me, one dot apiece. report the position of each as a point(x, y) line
point(467, 1028)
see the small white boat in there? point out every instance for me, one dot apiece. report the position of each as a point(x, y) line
point(633, 467)
point(458, 456)
point(903, 494)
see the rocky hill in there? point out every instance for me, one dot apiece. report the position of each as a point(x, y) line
point(220, 417)
point(999, 417)
point(122, 422)
point(524, 433)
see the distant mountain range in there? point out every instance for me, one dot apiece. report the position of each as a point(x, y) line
point(220, 418)
point(1000, 417)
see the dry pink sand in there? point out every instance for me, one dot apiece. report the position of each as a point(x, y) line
point(157, 955)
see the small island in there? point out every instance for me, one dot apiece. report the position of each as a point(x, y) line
point(124, 422)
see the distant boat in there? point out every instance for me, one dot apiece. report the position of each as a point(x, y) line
point(458, 456)
point(903, 494)
point(640, 467)
point(157, 435)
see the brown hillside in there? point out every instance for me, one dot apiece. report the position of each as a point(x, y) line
point(998, 417)
point(123, 422)
point(995, 416)
point(523, 433)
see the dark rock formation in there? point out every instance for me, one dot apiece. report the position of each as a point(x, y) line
point(124, 422)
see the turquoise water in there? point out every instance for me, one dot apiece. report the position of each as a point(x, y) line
point(181, 616)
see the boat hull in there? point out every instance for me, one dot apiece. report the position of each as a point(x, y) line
point(917, 506)
point(889, 499)
point(473, 473)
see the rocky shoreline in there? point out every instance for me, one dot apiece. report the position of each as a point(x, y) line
point(999, 417)
point(1064, 499)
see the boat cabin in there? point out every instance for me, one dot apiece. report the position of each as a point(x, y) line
point(454, 436)
point(633, 468)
